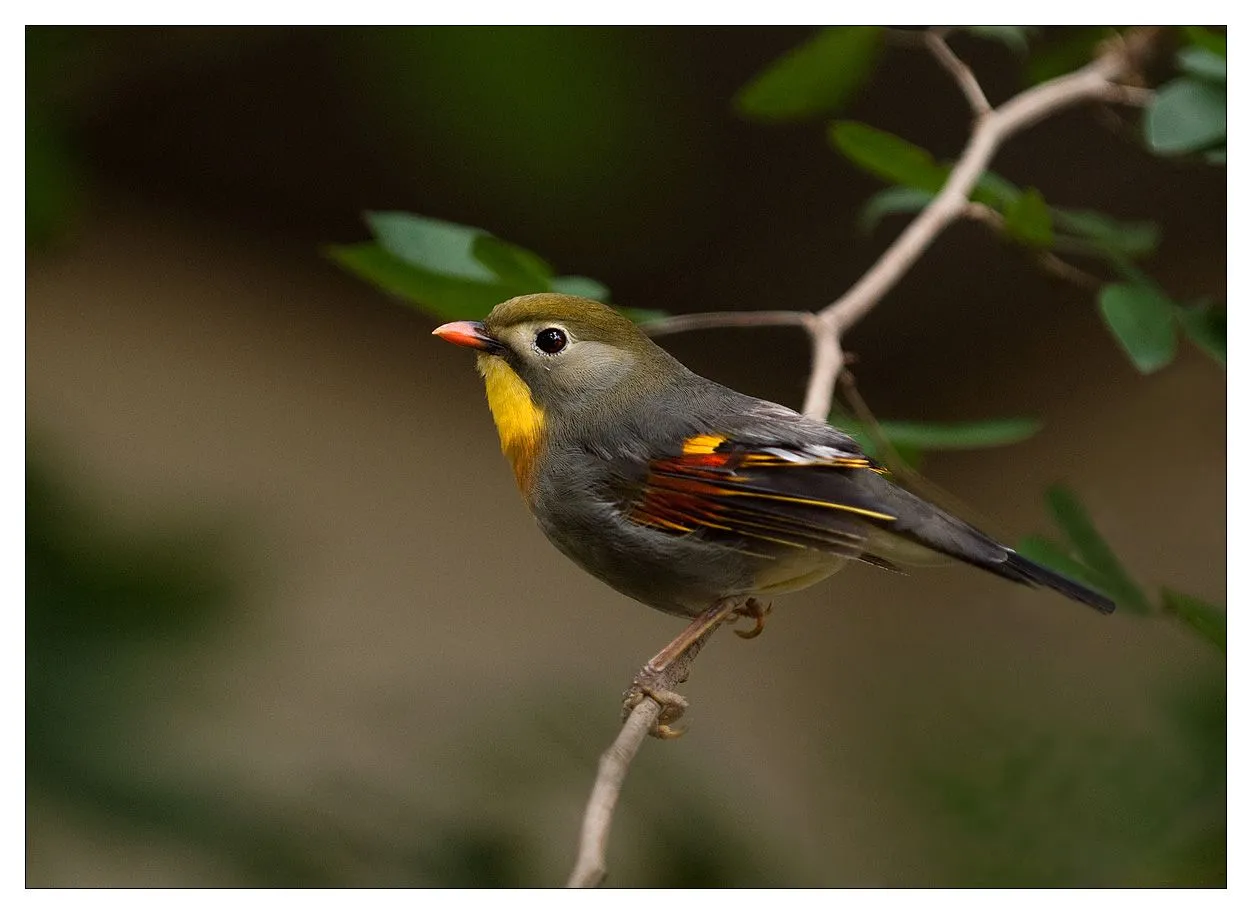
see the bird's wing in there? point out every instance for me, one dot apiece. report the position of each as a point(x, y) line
point(771, 499)
point(762, 498)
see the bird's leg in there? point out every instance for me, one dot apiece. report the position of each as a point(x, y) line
point(670, 666)
point(756, 612)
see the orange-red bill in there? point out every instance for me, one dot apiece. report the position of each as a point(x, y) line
point(470, 334)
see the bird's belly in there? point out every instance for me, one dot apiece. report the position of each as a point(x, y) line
point(789, 573)
point(682, 575)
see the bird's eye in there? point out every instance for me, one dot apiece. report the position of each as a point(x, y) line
point(551, 340)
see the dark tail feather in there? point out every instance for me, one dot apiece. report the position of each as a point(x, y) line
point(921, 522)
point(1028, 572)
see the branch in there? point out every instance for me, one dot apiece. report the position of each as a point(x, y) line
point(1098, 80)
point(1047, 260)
point(681, 322)
point(964, 76)
point(590, 868)
point(989, 134)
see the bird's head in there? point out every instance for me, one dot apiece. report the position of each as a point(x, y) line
point(550, 357)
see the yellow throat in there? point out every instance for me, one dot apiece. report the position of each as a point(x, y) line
point(518, 420)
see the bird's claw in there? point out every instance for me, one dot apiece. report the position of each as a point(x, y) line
point(672, 705)
point(754, 611)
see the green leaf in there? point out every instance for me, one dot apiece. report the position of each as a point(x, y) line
point(951, 436)
point(817, 77)
point(888, 156)
point(1107, 235)
point(1142, 319)
point(582, 286)
point(444, 296)
point(1203, 64)
point(1185, 116)
point(1203, 617)
point(1094, 552)
point(52, 180)
point(904, 435)
point(1214, 42)
point(643, 315)
point(889, 202)
point(512, 265)
point(995, 191)
point(1055, 556)
point(1014, 37)
point(1205, 325)
point(431, 244)
point(1027, 219)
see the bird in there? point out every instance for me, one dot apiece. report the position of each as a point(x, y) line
point(684, 494)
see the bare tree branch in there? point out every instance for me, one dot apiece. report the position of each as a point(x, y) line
point(590, 868)
point(1098, 80)
point(1047, 260)
point(964, 76)
point(681, 322)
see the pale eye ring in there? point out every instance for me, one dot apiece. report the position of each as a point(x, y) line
point(551, 340)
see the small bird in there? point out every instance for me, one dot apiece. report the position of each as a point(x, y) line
point(684, 494)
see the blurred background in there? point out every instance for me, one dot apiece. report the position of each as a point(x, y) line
point(289, 623)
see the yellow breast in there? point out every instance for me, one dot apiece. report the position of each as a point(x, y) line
point(518, 420)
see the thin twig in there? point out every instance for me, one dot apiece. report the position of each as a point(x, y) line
point(590, 867)
point(1134, 96)
point(964, 76)
point(1047, 260)
point(681, 322)
point(990, 132)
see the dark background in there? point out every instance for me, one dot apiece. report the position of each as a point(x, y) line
point(288, 622)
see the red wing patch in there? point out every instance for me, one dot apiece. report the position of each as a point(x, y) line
point(773, 496)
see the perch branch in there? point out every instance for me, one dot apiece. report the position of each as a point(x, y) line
point(590, 867)
point(1098, 80)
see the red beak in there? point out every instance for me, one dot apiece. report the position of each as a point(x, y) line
point(470, 334)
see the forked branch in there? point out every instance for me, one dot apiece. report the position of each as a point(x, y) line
point(1101, 80)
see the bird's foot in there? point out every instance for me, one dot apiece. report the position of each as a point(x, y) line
point(753, 610)
point(672, 705)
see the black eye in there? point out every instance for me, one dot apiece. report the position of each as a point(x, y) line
point(551, 340)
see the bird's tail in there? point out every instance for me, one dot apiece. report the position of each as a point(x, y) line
point(924, 524)
point(1019, 568)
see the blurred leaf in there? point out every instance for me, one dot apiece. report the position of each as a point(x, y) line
point(1216, 156)
point(1014, 37)
point(888, 156)
point(1075, 48)
point(511, 264)
point(452, 271)
point(445, 297)
point(431, 244)
point(1055, 556)
point(995, 191)
point(1142, 319)
point(643, 315)
point(910, 439)
point(1186, 115)
point(1027, 220)
point(1106, 234)
point(889, 202)
point(949, 436)
point(1203, 64)
point(817, 77)
point(582, 286)
point(1203, 617)
point(52, 181)
point(1213, 42)
point(1094, 552)
point(1205, 325)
